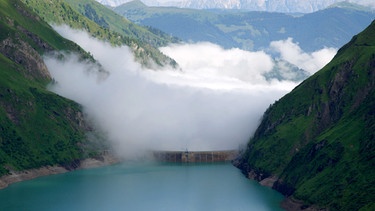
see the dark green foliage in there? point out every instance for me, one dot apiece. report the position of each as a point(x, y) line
point(320, 138)
point(37, 127)
point(91, 14)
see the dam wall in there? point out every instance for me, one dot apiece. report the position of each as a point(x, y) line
point(195, 156)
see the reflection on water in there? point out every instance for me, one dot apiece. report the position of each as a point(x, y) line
point(146, 186)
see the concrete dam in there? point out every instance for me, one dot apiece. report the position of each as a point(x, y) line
point(195, 156)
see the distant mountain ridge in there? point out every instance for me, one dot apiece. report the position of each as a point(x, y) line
point(283, 6)
point(332, 27)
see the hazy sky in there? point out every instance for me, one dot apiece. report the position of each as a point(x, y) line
point(214, 102)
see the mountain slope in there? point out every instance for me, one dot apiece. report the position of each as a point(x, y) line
point(106, 18)
point(252, 30)
point(103, 24)
point(319, 140)
point(37, 127)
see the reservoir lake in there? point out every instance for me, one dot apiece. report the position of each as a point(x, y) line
point(143, 186)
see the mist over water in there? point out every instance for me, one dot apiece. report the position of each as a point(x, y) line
point(213, 102)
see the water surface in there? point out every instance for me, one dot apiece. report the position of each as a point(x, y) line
point(146, 186)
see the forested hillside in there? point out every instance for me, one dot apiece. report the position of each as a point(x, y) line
point(37, 127)
point(318, 142)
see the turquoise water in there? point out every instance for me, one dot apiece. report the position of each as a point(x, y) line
point(146, 186)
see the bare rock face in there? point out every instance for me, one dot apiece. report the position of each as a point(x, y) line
point(22, 53)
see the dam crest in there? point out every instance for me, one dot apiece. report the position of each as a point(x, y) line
point(195, 156)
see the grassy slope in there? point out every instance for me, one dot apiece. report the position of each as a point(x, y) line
point(106, 18)
point(37, 127)
point(319, 139)
point(68, 12)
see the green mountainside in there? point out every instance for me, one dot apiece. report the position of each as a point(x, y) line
point(104, 24)
point(319, 140)
point(37, 127)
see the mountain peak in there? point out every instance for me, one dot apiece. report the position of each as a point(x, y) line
point(349, 5)
point(135, 4)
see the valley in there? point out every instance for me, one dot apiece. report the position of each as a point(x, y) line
point(86, 85)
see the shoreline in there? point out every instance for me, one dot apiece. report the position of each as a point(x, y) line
point(19, 176)
point(287, 203)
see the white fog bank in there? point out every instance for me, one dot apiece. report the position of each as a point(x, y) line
point(292, 53)
point(215, 102)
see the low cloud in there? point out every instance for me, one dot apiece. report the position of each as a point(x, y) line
point(292, 53)
point(212, 60)
point(214, 102)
